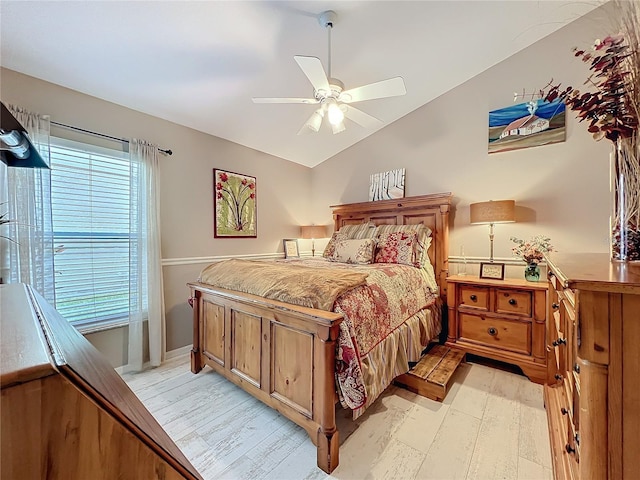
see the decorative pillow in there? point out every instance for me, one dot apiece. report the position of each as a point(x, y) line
point(359, 231)
point(424, 238)
point(354, 250)
point(398, 247)
point(330, 249)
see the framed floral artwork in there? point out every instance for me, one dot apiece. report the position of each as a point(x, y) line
point(234, 205)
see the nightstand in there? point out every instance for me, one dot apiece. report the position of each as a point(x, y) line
point(500, 319)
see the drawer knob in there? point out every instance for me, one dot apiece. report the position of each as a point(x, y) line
point(564, 411)
point(473, 298)
point(492, 331)
point(576, 368)
point(555, 306)
point(569, 448)
point(512, 301)
point(559, 341)
point(558, 377)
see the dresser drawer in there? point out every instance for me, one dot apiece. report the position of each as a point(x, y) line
point(496, 333)
point(516, 302)
point(474, 297)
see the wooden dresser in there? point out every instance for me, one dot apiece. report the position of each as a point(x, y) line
point(65, 413)
point(500, 319)
point(593, 399)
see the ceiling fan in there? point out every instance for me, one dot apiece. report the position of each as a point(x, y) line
point(335, 102)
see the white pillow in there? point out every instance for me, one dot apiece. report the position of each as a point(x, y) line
point(353, 251)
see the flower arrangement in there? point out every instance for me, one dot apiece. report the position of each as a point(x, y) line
point(610, 103)
point(532, 252)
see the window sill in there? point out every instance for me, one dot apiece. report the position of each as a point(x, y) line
point(95, 328)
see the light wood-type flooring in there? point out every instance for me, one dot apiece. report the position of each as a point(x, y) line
point(492, 424)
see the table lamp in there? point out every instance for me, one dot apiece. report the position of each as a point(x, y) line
point(499, 211)
point(312, 232)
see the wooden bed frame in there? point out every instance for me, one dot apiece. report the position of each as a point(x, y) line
point(284, 355)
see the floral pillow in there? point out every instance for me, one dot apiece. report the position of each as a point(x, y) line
point(353, 250)
point(423, 243)
point(398, 247)
point(330, 249)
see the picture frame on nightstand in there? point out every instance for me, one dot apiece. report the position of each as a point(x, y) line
point(493, 271)
point(291, 249)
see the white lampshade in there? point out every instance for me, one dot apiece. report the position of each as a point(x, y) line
point(335, 114)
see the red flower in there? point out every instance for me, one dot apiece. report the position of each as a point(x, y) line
point(223, 177)
point(219, 195)
point(253, 195)
point(218, 186)
point(252, 186)
point(244, 181)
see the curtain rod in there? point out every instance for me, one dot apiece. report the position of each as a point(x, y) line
point(58, 124)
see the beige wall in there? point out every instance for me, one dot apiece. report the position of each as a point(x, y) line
point(560, 190)
point(186, 191)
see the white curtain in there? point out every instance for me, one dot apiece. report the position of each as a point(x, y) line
point(146, 291)
point(29, 257)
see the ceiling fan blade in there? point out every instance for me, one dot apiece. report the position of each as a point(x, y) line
point(308, 101)
point(312, 68)
point(392, 87)
point(363, 119)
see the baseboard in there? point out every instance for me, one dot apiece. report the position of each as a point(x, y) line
point(178, 352)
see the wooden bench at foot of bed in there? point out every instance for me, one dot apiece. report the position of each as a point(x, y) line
point(282, 354)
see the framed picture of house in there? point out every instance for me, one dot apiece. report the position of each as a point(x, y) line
point(234, 205)
point(525, 125)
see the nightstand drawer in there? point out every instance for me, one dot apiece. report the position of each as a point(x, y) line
point(496, 332)
point(474, 297)
point(517, 302)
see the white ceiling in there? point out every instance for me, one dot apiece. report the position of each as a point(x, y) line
point(198, 63)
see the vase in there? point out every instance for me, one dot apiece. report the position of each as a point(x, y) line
point(625, 202)
point(532, 272)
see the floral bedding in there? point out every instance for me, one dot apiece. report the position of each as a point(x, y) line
point(392, 294)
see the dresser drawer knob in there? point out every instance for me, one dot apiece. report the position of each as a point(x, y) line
point(512, 301)
point(576, 368)
point(555, 306)
point(559, 341)
point(492, 331)
point(569, 448)
point(564, 411)
point(473, 298)
point(558, 377)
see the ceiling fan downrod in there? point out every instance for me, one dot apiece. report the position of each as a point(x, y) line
point(327, 19)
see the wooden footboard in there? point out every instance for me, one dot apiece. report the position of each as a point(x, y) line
point(281, 354)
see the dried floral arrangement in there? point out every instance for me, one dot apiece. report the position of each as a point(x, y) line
point(532, 251)
point(610, 102)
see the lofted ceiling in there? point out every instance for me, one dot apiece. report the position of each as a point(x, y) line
point(199, 63)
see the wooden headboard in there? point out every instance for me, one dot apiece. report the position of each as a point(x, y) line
point(429, 210)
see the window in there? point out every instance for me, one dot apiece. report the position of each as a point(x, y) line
point(90, 197)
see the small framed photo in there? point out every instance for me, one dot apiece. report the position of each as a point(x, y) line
point(291, 248)
point(494, 271)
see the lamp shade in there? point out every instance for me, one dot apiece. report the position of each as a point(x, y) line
point(16, 149)
point(313, 231)
point(499, 211)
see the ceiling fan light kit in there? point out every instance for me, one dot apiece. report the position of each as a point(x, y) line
point(330, 94)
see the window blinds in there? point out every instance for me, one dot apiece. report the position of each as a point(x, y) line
point(91, 211)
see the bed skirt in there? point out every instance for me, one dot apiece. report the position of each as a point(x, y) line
point(391, 357)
